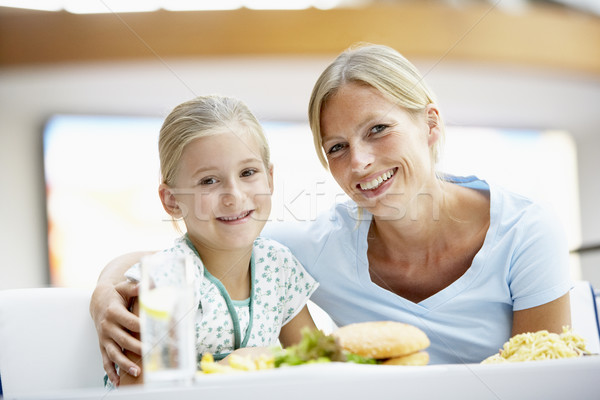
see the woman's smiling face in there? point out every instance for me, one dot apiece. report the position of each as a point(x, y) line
point(377, 152)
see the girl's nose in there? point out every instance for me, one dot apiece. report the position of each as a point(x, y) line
point(231, 195)
point(228, 199)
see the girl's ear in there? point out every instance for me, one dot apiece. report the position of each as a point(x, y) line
point(434, 122)
point(169, 202)
point(270, 177)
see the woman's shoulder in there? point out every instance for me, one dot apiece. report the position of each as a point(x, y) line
point(470, 181)
point(525, 220)
point(501, 198)
point(509, 209)
point(515, 206)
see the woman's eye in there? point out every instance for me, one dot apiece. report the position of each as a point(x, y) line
point(248, 172)
point(335, 148)
point(378, 129)
point(208, 181)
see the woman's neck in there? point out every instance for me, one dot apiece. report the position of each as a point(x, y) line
point(426, 218)
point(416, 258)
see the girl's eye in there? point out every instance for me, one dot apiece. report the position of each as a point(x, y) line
point(378, 129)
point(208, 181)
point(248, 172)
point(335, 148)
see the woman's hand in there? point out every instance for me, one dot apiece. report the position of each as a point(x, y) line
point(109, 308)
point(114, 322)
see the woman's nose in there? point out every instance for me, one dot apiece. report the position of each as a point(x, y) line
point(360, 157)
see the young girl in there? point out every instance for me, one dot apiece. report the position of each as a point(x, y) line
point(217, 178)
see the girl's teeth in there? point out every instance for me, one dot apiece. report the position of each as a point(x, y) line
point(377, 181)
point(235, 218)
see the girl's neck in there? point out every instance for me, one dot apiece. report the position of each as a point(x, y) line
point(230, 267)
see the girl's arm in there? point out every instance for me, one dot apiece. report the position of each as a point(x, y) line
point(112, 318)
point(551, 316)
point(291, 332)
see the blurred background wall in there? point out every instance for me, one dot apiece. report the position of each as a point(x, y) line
point(499, 63)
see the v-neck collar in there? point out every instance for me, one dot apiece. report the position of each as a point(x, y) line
point(450, 291)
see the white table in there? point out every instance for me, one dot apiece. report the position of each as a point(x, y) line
point(567, 379)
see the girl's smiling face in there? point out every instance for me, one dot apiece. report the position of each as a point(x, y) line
point(222, 190)
point(378, 152)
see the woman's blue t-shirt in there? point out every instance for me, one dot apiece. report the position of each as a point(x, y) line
point(523, 263)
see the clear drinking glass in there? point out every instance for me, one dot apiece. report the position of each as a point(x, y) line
point(167, 316)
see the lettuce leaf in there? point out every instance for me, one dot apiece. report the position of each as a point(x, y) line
point(316, 347)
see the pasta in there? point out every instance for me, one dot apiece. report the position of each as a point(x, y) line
point(541, 345)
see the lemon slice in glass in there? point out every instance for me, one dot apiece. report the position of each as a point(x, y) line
point(159, 302)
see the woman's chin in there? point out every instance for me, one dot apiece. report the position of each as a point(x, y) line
point(388, 212)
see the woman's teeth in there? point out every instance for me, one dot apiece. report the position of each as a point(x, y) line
point(374, 184)
point(244, 215)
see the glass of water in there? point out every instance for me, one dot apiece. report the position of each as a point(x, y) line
point(167, 316)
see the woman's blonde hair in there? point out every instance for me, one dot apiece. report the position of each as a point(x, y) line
point(380, 67)
point(201, 117)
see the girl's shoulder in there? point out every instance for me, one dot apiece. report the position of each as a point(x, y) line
point(264, 246)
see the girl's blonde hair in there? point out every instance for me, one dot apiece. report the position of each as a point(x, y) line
point(201, 117)
point(380, 67)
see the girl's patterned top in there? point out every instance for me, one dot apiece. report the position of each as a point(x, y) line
point(280, 289)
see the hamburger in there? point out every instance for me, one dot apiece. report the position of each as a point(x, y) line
point(388, 342)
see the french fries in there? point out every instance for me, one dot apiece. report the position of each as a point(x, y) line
point(314, 347)
point(236, 364)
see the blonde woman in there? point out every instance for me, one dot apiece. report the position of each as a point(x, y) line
point(466, 261)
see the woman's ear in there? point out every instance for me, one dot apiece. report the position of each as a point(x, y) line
point(434, 122)
point(169, 202)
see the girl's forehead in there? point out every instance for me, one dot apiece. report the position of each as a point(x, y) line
point(240, 133)
point(225, 143)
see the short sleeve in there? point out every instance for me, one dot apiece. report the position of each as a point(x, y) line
point(295, 285)
point(539, 271)
point(134, 274)
point(300, 286)
point(164, 277)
